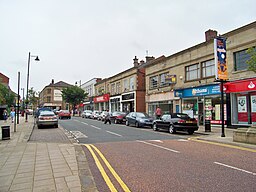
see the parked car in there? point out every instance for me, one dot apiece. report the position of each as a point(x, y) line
point(95, 114)
point(64, 114)
point(86, 114)
point(139, 119)
point(47, 118)
point(176, 122)
point(37, 111)
point(118, 117)
point(102, 115)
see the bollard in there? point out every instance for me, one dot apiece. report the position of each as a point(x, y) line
point(5, 132)
point(207, 125)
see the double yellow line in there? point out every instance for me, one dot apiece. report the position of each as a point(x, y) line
point(92, 148)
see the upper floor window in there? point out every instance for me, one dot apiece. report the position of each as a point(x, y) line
point(153, 82)
point(49, 91)
point(113, 88)
point(132, 83)
point(163, 80)
point(126, 85)
point(48, 99)
point(192, 72)
point(118, 87)
point(208, 68)
point(240, 59)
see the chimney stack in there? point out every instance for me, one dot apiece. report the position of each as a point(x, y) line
point(148, 58)
point(52, 81)
point(135, 62)
point(210, 34)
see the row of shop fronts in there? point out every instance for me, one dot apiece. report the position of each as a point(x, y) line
point(204, 102)
point(124, 102)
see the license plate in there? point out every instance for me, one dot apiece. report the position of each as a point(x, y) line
point(189, 121)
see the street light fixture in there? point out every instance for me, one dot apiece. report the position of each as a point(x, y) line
point(36, 59)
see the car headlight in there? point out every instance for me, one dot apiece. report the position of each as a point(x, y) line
point(142, 120)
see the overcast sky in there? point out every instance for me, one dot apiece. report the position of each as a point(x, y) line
point(82, 39)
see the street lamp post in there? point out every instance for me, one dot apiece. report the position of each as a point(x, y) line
point(23, 98)
point(36, 59)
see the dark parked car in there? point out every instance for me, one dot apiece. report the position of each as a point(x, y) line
point(118, 117)
point(47, 118)
point(139, 119)
point(176, 122)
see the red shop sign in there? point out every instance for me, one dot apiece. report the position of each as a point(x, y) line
point(102, 98)
point(240, 86)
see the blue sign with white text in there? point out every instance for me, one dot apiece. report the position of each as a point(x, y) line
point(198, 91)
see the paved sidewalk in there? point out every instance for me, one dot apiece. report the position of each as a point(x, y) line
point(27, 166)
point(215, 136)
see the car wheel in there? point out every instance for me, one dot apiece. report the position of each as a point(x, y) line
point(137, 124)
point(127, 123)
point(116, 122)
point(172, 129)
point(155, 127)
point(190, 132)
point(56, 126)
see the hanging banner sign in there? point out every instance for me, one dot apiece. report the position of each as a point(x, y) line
point(220, 53)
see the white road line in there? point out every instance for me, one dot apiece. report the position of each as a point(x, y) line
point(84, 123)
point(159, 141)
point(168, 149)
point(95, 127)
point(114, 133)
point(249, 172)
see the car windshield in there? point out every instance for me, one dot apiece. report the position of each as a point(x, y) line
point(142, 115)
point(119, 113)
point(47, 113)
point(180, 115)
point(65, 111)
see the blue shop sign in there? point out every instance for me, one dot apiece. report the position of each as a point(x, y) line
point(198, 91)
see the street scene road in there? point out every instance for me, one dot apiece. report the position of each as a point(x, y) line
point(144, 160)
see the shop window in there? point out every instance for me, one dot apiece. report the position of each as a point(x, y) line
point(163, 81)
point(192, 72)
point(153, 82)
point(208, 68)
point(240, 59)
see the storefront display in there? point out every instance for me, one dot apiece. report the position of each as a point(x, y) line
point(243, 101)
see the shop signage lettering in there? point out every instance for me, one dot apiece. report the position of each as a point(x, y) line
point(103, 98)
point(240, 86)
point(128, 96)
point(198, 91)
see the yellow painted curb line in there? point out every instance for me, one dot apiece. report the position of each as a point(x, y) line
point(221, 144)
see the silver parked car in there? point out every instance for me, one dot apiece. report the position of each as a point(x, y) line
point(86, 114)
point(47, 118)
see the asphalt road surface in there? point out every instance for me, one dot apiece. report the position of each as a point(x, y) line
point(123, 158)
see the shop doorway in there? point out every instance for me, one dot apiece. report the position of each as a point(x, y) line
point(200, 112)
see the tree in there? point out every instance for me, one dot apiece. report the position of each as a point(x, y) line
point(252, 61)
point(7, 97)
point(32, 97)
point(73, 95)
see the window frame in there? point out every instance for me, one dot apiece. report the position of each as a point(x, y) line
point(197, 69)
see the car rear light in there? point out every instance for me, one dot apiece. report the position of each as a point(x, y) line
point(181, 121)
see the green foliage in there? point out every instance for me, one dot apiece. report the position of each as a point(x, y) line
point(73, 95)
point(252, 61)
point(7, 97)
point(32, 98)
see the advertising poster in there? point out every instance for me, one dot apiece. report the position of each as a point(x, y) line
point(220, 59)
point(253, 103)
point(242, 107)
